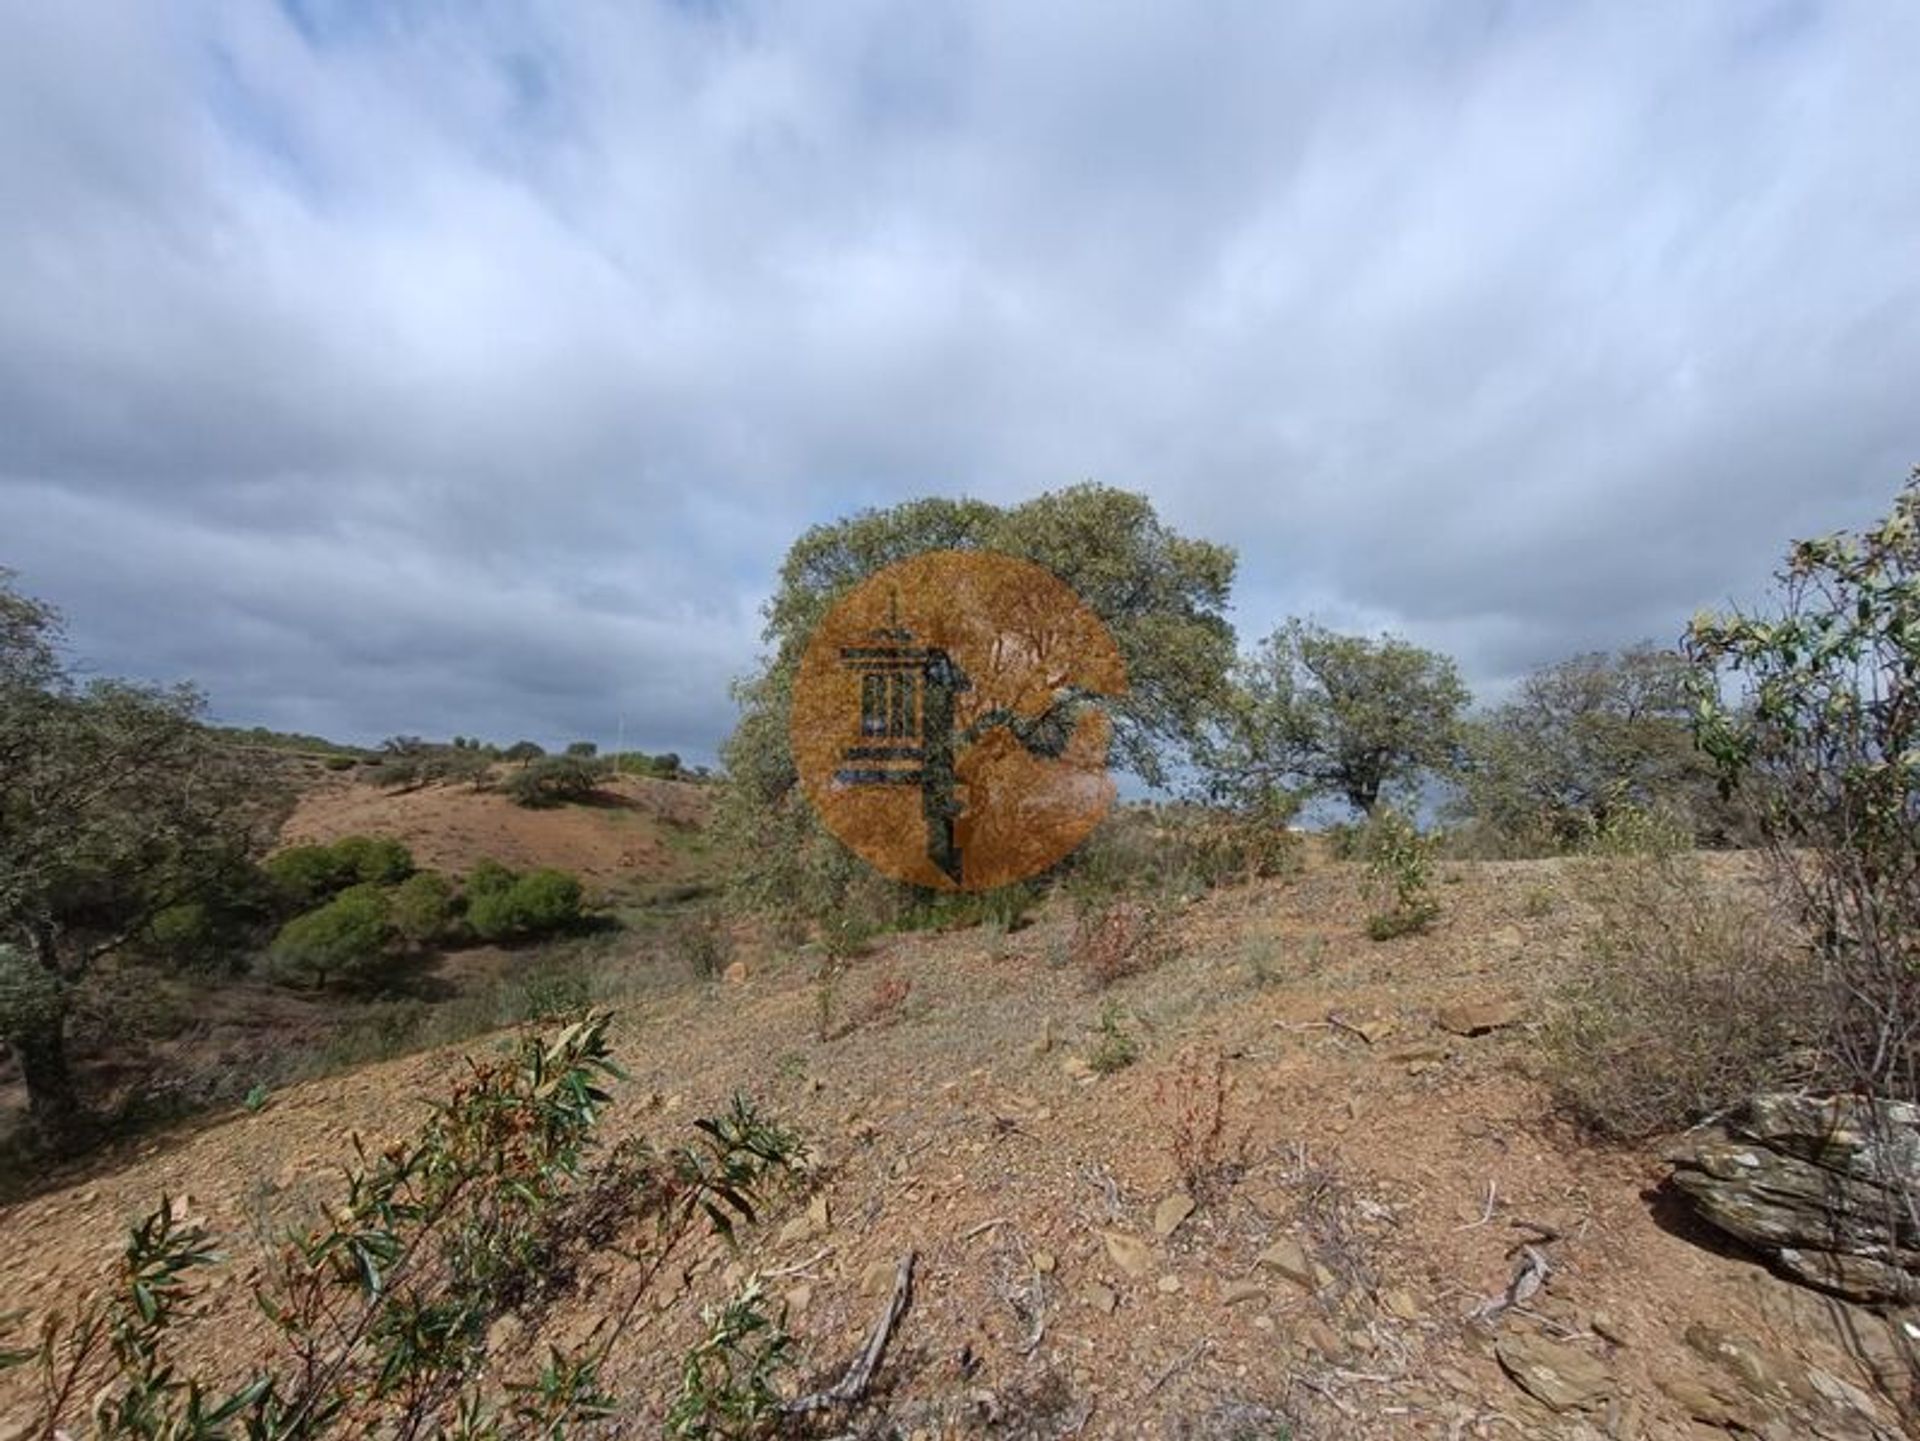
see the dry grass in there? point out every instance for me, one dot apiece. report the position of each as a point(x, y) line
point(1684, 999)
point(1117, 938)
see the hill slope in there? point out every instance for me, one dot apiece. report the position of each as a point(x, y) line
point(1394, 1164)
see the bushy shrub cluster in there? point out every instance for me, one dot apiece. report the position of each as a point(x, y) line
point(510, 907)
point(555, 780)
point(356, 902)
point(1686, 997)
point(341, 942)
point(306, 875)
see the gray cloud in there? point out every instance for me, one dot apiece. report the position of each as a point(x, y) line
point(392, 368)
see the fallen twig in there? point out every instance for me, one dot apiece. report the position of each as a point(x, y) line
point(984, 1226)
point(852, 1386)
point(799, 1266)
point(1193, 1354)
point(1493, 1193)
point(1334, 1018)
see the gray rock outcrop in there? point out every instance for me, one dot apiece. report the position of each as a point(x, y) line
point(1829, 1187)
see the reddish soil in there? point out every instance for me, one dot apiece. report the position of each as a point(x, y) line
point(635, 832)
point(1408, 1166)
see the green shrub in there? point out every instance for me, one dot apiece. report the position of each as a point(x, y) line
point(421, 908)
point(341, 942)
point(1683, 1000)
point(727, 1379)
point(340, 763)
point(379, 860)
point(537, 904)
point(1114, 1048)
point(554, 780)
point(493, 1208)
point(1400, 872)
point(488, 877)
point(306, 875)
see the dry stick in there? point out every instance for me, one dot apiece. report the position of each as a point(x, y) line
point(1178, 1366)
point(1334, 1018)
point(852, 1386)
point(799, 1266)
point(984, 1226)
point(1493, 1193)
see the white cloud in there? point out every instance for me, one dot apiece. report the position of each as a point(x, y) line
point(469, 369)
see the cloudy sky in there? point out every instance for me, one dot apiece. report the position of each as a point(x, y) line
point(468, 367)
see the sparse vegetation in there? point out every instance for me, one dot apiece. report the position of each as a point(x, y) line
point(1117, 938)
point(1114, 1046)
point(1191, 1103)
point(1684, 999)
point(382, 1314)
point(1400, 875)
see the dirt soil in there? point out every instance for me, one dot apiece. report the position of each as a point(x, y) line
point(637, 831)
point(1392, 1170)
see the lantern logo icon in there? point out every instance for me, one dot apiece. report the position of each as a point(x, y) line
point(948, 724)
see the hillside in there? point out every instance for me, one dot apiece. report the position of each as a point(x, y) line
point(638, 833)
point(1398, 1151)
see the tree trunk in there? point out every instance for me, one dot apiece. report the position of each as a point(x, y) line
point(53, 1103)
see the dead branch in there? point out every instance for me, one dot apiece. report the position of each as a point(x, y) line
point(852, 1386)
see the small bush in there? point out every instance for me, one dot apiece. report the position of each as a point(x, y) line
point(340, 763)
point(1683, 1001)
point(1400, 871)
point(340, 943)
point(379, 860)
point(727, 1379)
point(1191, 1105)
point(1114, 1047)
point(421, 908)
point(539, 903)
point(1119, 938)
point(488, 877)
point(703, 942)
point(382, 1314)
point(304, 876)
point(554, 780)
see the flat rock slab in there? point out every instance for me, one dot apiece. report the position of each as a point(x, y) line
point(1129, 1253)
point(1558, 1376)
point(1168, 1215)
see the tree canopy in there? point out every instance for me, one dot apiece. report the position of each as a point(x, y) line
point(1162, 595)
point(116, 805)
point(1581, 738)
point(1351, 716)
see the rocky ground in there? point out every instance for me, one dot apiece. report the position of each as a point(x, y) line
point(1408, 1246)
